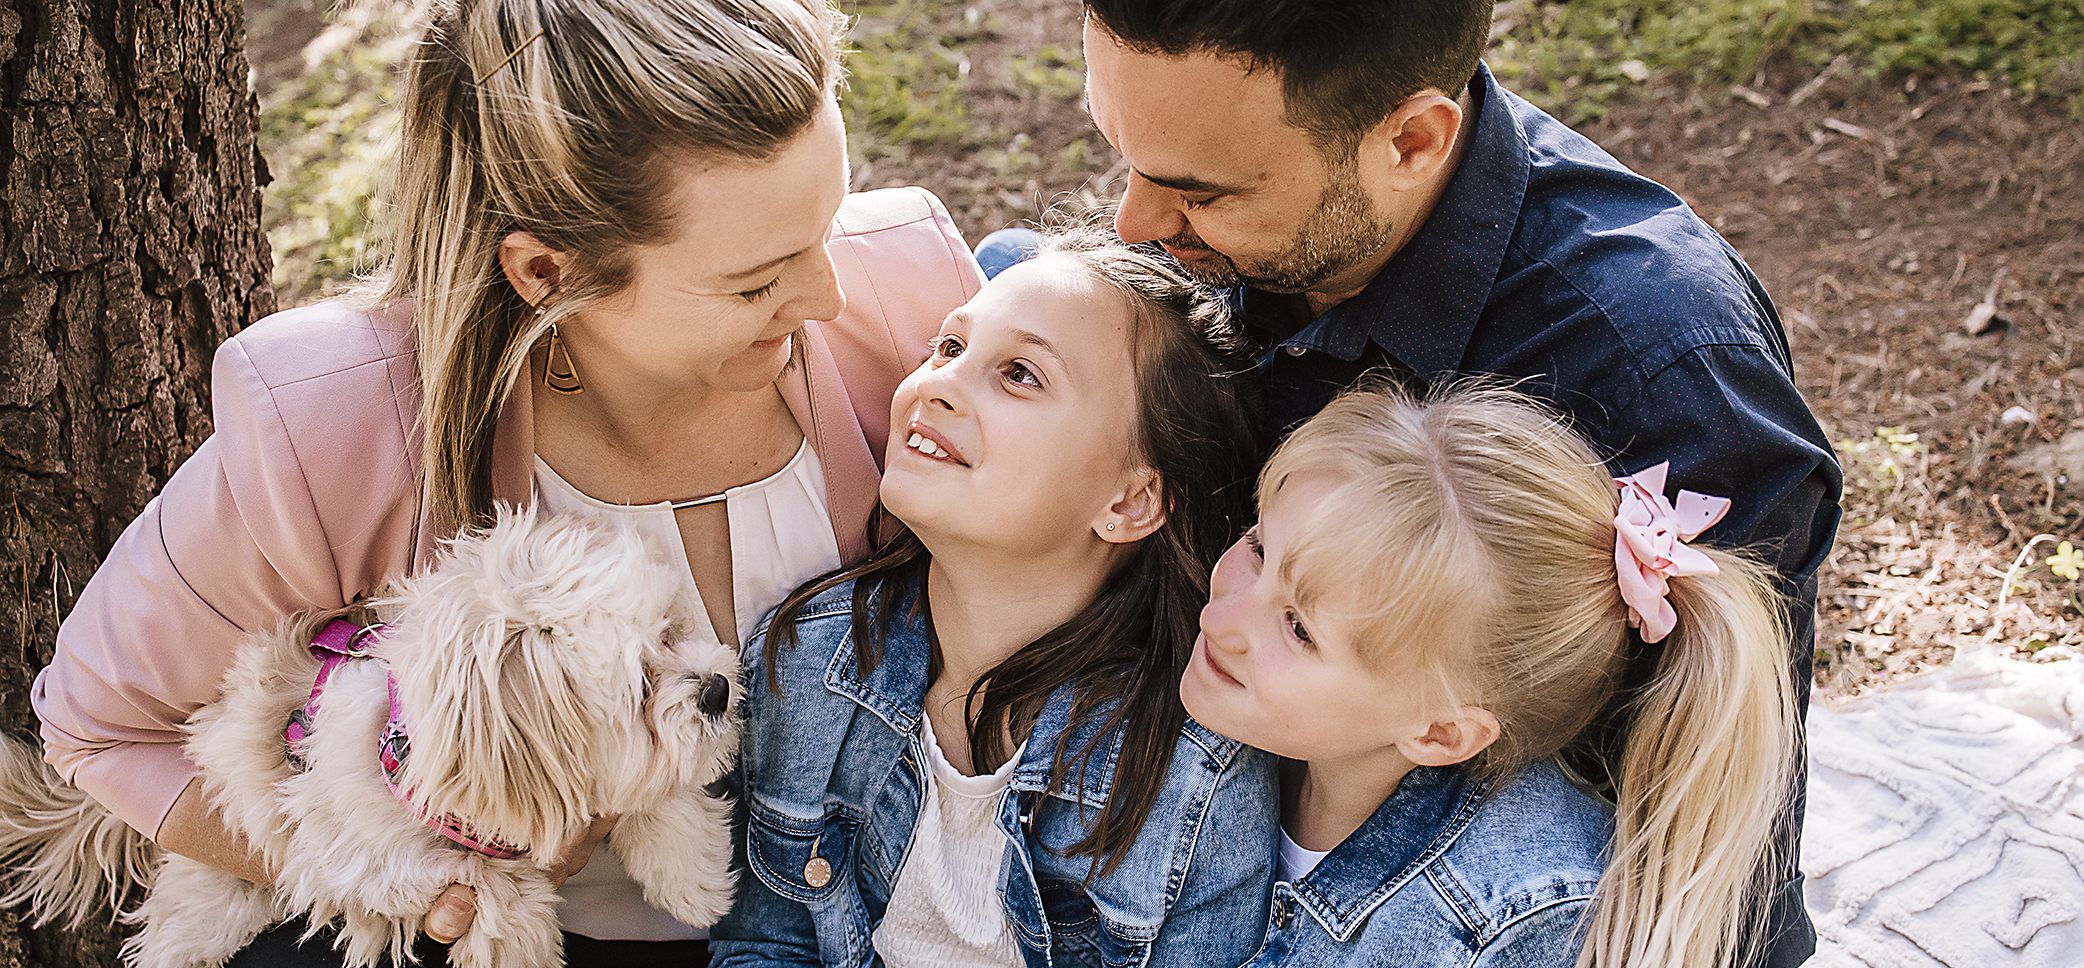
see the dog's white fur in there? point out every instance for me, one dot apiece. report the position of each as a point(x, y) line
point(550, 674)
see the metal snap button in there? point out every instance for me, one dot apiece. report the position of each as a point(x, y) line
point(1283, 914)
point(1295, 350)
point(817, 872)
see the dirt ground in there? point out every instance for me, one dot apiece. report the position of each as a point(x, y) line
point(1879, 213)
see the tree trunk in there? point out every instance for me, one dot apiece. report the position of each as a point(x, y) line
point(130, 246)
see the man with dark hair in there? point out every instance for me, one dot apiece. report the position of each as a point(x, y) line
point(1378, 202)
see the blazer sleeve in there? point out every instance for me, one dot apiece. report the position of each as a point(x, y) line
point(301, 499)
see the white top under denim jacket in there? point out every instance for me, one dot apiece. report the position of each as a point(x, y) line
point(1443, 875)
point(831, 784)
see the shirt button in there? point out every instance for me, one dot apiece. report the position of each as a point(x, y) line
point(1283, 914)
point(1295, 350)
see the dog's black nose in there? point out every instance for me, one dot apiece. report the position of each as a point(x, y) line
point(716, 694)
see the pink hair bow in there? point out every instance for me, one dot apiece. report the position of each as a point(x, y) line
point(1650, 538)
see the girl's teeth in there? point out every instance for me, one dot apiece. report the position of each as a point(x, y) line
point(914, 442)
point(929, 448)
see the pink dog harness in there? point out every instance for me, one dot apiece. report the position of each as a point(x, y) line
point(339, 641)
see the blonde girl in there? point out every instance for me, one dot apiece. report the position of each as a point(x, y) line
point(1436, 601)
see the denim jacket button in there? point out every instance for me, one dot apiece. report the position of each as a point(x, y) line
point(818, 872)
point(1283, 914)
point(1295, 350)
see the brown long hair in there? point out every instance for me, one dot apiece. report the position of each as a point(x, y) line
point(1125, 651)
point(561, 118)
point(1473, 537)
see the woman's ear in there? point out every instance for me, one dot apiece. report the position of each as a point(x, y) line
point(1134, 513)
point(1449, 741)
point(531, 267)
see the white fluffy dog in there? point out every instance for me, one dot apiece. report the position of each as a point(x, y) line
point(545, 673)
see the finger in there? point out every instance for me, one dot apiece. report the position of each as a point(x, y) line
point(452, 914)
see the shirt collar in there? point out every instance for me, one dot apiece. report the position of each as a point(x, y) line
point(1423, 306)
point(1432, 806)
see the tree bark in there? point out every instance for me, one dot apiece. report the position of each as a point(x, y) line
point(130, 246)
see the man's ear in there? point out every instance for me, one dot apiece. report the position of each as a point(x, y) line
point(1134, 513)
point(1414, 142)
point(1449, 741)
point(531, 267)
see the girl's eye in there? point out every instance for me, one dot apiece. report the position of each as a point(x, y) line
point(945, 347)
point(1019, 372)
point(1296, 629)
point(1251, 540)
point(755, 295)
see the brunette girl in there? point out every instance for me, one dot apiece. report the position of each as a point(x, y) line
point(1435, 601)
point(970, 750)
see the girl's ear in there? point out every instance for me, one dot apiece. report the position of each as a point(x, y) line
point(531, 267)
point(1134, 513)
point(1451, 741)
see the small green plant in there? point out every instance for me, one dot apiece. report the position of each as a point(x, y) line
point(904, 70)
point(1878, 462)
point(1571, 58)
point(1052, 71)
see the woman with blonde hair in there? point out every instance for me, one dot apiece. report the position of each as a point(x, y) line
point(620, 242)
point(1435, 602)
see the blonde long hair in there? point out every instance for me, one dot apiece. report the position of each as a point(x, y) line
point(565, 119)
point(1476, 534)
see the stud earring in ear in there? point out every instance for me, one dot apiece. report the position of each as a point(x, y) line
point(1110, 526)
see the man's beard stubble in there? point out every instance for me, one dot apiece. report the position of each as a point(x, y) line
point(1344, 231)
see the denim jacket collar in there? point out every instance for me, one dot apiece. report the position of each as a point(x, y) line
point(895, 691)
point(1380, 857)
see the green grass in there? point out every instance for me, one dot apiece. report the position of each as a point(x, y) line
point(1569, 57)
point(904, 66)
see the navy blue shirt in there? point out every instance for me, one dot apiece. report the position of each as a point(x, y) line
point(1547, 259)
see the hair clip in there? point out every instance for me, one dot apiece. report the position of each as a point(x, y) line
point(532, 38)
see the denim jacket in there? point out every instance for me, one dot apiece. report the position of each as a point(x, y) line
point(1444, 875)
point(832, 784)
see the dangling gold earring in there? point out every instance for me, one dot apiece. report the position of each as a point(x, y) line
point(566, 380)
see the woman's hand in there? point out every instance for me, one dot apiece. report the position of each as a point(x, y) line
point(457, 906)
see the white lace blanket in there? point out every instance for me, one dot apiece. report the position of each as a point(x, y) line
point(1946, 820)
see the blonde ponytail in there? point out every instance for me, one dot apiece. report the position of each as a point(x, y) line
point(1703, 782)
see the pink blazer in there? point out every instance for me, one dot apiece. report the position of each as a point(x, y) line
point(308, 493)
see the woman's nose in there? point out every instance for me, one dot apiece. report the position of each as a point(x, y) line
point(818, 296)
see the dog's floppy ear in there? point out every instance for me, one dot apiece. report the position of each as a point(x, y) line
point(502, 735)
point(503, 700)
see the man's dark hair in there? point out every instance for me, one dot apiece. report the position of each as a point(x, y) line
point(1344, 64)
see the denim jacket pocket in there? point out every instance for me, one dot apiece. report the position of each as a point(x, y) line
point(804, 861)
point(1080, 935)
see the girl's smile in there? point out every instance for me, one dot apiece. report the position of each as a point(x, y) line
point(929, 442)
